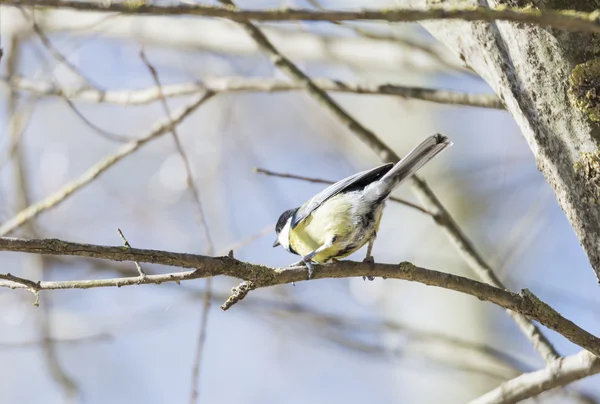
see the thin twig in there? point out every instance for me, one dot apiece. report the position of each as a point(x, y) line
point(127, 245)
point(321, 181)
point(427, 49)
point(524, 303)
point(66, 341)
point(59, 196)
point(203, 225)
point(188, 170)
point(251, 84)
point(89, 84)
point(60, 58)
point(36, 263)
point(567, 20)
point(195, 390)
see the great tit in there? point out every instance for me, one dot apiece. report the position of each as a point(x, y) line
point(345, 216)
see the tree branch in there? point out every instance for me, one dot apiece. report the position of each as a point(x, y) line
point(261, 276)
point(567, 20)
point(557, 374)
point(250, 84)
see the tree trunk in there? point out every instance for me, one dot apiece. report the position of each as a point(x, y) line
point(547, 80)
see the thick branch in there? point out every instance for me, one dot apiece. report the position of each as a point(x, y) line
point(566, 20)
point(558, 374)
point(524, 303)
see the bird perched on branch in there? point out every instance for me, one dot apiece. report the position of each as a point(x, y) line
point(345, 216)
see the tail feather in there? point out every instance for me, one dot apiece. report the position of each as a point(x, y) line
point(411, 163)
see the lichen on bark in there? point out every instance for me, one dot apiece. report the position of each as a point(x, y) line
point(585, 88)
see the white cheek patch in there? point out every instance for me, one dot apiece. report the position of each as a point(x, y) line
point(284, 235)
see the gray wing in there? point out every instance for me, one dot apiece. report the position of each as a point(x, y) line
point(357, 180)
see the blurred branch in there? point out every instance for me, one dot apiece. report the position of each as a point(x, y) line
point(568, 20)
point(201, 341)
point(35, 263)
point(89, 84)
point(557, 374)
point(203, 225)
point(432, 51)
point(320, 181)
point(524, 303)
point(224, 38)
point(442, 217)
point(67, 341)
point(54, 199)
point(60, 58)
point(250, 84)
point(68, 383)
point(186, 163)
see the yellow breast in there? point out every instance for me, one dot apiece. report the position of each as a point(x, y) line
point(334, 218)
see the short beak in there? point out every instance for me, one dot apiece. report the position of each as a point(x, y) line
point(276, 243)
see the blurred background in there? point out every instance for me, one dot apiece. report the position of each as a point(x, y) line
point(342, 340)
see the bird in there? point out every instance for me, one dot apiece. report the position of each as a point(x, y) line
point(345, 216)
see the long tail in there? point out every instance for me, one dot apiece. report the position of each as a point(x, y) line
point(410, 164)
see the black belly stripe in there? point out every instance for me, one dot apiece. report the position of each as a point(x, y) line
point(292, 250)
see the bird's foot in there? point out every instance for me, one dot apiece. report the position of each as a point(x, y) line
point(369, 260)
point(308, 263)
point(296, 264)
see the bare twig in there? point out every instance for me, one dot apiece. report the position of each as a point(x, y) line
point(67, 341)
point(67, 382)
point(321, 181)
point(54, 199)
point(60, 58)
point(434, 53)
point(251, 84)
point(524, 303)
point(188, 170)
point(36, 263)
point(203, 225)
point(201, 340)
point(127, 245)
point(568, 20)
point(89, 84)
point(557, 374)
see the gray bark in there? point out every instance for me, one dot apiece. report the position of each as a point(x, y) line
point(530, 69)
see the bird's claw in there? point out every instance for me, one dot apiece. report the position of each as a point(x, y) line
point(369, 260)
point(309, 265)
point(306, 261)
